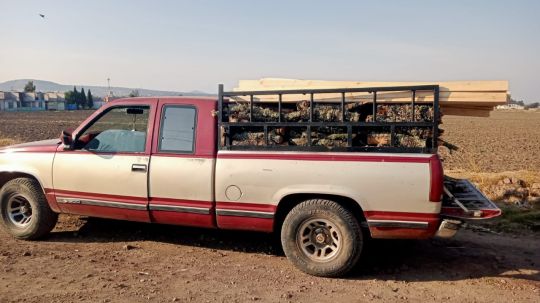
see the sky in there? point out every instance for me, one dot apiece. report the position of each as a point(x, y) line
point(194, 45)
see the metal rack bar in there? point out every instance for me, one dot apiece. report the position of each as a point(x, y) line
point(343, 107)
point(349, 135)
point(311, 108)
point(220, 103)
point(331, 90)
point(308, 135)
point(335, 124)
point(227, 136)
point(392, 135)
point(435, 116)
point(413, 105)
point(250, 108)
point(375, 106)
point(316, 148)
point(279, 107)
point(266, 135)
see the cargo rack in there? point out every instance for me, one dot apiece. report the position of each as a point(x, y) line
point(225, 127)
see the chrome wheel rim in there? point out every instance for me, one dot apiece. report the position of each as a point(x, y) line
point(319, 239)
point(19, 211)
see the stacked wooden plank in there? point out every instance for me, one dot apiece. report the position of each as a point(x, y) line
point(464, 98)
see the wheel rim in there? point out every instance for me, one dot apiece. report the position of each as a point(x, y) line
point(19, 211)
point(319, 239)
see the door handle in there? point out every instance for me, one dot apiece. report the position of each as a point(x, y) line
point(139, 167)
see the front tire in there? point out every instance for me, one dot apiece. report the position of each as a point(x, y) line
point(322, 238)
point(25, 212)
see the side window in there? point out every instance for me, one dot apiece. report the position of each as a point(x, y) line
point(121, 129)
point(177, 133)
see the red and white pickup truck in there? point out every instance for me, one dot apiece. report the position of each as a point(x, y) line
point(159, 160)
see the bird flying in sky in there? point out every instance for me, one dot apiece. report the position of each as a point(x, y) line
point(42, 16)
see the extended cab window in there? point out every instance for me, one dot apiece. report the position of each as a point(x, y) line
point(121, 129)
point(177, 129)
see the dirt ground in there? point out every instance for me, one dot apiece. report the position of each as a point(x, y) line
point(32, 126)
point(96, 260)
point(506, 141)
point(113, 261)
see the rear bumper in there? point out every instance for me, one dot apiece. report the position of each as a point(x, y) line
point(448, 228)
point(441, 228)
point(401, 225)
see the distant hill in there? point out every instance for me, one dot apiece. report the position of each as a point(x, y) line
point(100, 91)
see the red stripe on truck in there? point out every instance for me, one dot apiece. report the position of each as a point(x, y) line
point(324, 157)
point(246, 206)
point(400, 216)
point(99, 196)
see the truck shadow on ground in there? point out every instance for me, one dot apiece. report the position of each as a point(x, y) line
point(470, 255)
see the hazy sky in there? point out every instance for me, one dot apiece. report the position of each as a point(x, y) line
point(194, 45)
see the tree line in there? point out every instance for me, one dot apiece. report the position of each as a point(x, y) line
point(525, 105)
point(81, 99)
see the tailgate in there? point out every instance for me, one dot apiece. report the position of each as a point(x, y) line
point(462, 200)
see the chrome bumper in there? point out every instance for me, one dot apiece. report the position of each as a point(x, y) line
point(448, 228)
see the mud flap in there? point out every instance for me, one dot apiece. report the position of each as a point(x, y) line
point(463, 201)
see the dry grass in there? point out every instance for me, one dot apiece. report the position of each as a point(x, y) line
point(515, 218)
point(7, 141)
point(486, 179)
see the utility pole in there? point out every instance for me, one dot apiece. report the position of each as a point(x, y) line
point(109, 85)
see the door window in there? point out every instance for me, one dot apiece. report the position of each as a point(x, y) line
point(177, 133)
point(120, 129)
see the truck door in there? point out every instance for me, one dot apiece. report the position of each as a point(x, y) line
point(106, 173)
point(183, 158)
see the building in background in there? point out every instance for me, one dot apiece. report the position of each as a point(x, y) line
point(31, 101)
point(54, 101)
point(9, 101)
point(510, 106)
point(25, 101)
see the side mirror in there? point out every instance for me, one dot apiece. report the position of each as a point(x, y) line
point(67, 139)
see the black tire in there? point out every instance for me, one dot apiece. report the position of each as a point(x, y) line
point(27, 192)
point(322, 220)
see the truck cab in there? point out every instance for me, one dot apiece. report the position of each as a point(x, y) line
point(144, 159)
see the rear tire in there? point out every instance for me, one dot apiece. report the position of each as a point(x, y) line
point(25, 212)
point(322, 238)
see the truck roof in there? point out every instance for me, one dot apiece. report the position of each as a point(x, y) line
point(169, 98)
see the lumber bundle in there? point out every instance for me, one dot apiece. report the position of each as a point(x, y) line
point(463, 98)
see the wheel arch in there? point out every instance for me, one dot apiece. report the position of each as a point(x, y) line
point(6, 176)
point(287, 203)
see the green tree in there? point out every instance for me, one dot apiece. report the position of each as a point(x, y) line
point(532, 105)
point(520, 102)
point(83, 99)
point(73, 96)
point(77, 97)
point(29, 87)
point(90, 100)
point(69, 97)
